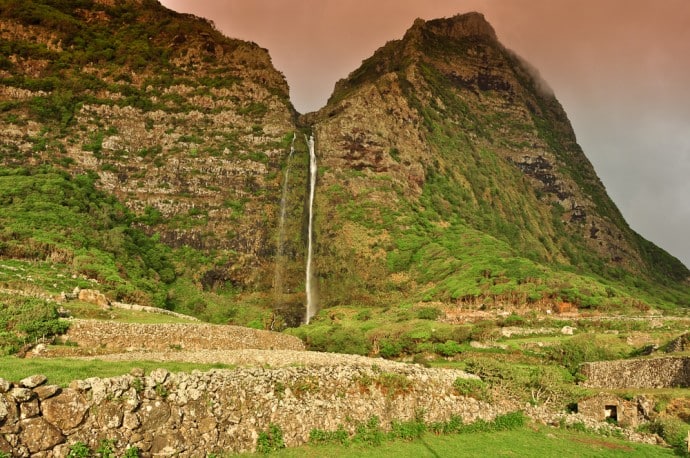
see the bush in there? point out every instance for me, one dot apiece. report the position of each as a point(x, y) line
point(448, 348)
point(321, 437)
point(587, 347)
point(472, 388)
point(484, 330)
point(389, 348)
point(429, 313)
point(271, 440)
point(26, 320)
point(673, 431)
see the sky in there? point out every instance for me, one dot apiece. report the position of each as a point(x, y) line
point(620, 68)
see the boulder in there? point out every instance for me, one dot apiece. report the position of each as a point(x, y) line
point(33, 381)
point(66, 410)
point(39, 435)
point(93, 296)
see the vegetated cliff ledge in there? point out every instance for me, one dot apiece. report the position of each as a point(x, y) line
point(165, 414)
point(669, 372)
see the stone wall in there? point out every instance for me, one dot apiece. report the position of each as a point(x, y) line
point(131, 336)
point(669, 372)
point(165, 414)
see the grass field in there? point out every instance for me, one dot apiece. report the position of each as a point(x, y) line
point(540, 442)
point(61, 371)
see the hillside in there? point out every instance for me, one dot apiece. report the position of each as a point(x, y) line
point(146, 155)
point(185, 128)
point(450, 172)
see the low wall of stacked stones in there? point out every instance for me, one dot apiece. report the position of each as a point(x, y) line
point(193, 414)
point(669, 372)
point(133, 336)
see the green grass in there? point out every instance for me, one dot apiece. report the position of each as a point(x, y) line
point(524, 442)
point(90, 311)
point(61, 371)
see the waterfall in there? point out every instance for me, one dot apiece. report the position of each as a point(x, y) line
point(280, 258)
point(311, 299)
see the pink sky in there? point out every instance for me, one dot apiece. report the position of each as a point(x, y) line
point(621, 69)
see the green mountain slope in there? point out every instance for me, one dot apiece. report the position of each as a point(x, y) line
point(456, 173)
point(185, 127)
point(448, 172)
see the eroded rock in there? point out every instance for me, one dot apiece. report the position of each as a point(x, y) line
point(66, 410)
point(39, 435)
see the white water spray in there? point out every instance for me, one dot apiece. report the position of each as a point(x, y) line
point(311, 299)
point(280, 261)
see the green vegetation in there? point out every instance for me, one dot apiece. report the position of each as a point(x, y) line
point(61, 371)
point(271, 440)
point(104, 450)
point(49, 216)
point(25, 320)
point(506, 436)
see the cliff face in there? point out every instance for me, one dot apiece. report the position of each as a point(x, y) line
point(447, 169)
point(184, 125)
point(443, 137)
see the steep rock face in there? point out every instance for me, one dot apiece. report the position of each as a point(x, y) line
point(447, 168)
point(184, 125)
point(445, 132)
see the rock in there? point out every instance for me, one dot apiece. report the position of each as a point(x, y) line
point(567, 330)
point(93, 296)
point(33, 381)
point(29, 409)
point(46, 391)
point(5, 446)
point(3, 409)
point(39, 435)
point(131, 421)
point(21, 394)
point(109, 416)
point(154, 414)
point(5, 385)
point(39, 349)
point(136, 372)
point(159, 376)
point(66, 410)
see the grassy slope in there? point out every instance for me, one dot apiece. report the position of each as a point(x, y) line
point(527, 442)
point(63, 226)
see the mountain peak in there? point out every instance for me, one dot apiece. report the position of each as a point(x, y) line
point(456, 27)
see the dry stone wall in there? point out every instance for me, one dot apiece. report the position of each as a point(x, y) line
point(181, 414)
point(670, 372)
point(132, 336)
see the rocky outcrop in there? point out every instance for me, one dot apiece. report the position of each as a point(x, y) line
point(165, 414)
point(93, 296)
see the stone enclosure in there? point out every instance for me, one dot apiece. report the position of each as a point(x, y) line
point(166, 414)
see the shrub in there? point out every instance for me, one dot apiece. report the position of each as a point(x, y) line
point(320, 437)
point(271, 440)
point(672, 430)
point(407, 430)
point(448, 348)
point(79, 450)
point(586, 347)
point(472, 388)
point(369, 433)
point(429, 313)
point(389, 348)
point(484, 330)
